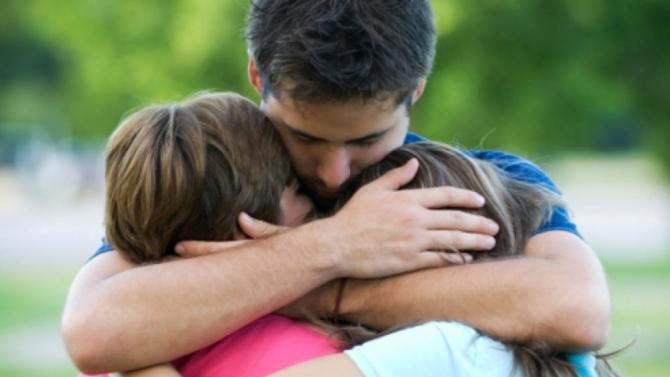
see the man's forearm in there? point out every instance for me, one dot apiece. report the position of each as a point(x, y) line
point(558, 297)
point(152, 314)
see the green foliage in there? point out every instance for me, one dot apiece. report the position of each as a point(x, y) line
point(550, 75)
point(531, 76)
point(117, 55)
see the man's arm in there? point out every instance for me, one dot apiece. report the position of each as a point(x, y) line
point(123, 317)
point(556, 293)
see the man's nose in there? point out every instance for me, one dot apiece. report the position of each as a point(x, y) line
point(334, 168)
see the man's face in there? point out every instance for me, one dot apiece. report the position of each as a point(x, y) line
point(330, 143)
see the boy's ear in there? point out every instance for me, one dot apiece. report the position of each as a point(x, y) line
point(254, 75)
point(418, 91)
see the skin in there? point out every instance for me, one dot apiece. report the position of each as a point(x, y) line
point(295, 207)
point(232, 288)
point(338, 365)
point(557, 293)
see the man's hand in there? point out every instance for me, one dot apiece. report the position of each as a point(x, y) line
point(252, 228)
point(385, 231)
point(369, 238)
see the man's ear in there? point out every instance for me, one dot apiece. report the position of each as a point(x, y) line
point(418, 91)
point(254, 76)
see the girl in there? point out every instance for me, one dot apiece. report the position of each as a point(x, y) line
point(449, 348)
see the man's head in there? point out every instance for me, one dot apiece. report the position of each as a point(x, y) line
point(338, 79)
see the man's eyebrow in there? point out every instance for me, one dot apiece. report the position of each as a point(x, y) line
point(369, 137)
point(303, 134)
point(362, 139)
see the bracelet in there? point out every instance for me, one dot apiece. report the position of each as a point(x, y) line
point(338, 297)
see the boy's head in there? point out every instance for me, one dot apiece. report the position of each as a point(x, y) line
point(338, 79)
point(186, 171)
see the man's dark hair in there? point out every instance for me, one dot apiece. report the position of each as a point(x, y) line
point(335, 50)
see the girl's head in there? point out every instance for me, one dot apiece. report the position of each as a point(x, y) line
point(518, 207)
point(186, 170)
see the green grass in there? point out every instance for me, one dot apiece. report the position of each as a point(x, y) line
point(640, 305)
point(639, 298)
point(29, 371)
point(29, 298)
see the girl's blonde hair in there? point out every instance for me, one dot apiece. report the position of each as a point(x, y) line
point(519, 208)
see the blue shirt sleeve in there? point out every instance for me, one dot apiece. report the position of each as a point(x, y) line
point(523, 170)
point(411, 138)
point(526, 171)
point(105, 247)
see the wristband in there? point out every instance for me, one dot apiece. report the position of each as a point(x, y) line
point(338, 297)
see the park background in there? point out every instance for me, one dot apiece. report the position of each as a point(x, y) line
point(582, 87)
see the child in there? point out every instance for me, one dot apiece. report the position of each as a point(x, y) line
point(450, 348)
point(186, 171)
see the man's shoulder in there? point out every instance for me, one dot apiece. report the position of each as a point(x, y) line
point(514, 165)
point(521, 169)
point(411, 138)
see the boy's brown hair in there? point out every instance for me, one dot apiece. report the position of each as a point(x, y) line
point(186, 170)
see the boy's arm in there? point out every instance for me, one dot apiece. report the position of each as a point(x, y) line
point(556, 293)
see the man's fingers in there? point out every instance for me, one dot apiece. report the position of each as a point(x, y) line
point(460, 221)
point(256, 229)
point(190, 249)
point(455, 240)
point(455, 258)
point(447, 196)
point(395, 178)
point(430, 259)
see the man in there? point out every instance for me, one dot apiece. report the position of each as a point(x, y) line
point(338, 80)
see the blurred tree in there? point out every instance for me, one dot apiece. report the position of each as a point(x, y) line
point(122, 54)
point(543, 76)
point(535, 77)
point(29, 81)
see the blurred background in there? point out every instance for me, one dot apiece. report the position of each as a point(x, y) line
point(582, 87)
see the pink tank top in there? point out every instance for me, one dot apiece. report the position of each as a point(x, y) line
point(266, 345)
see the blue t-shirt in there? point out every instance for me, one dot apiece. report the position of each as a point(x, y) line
point(515, 166)
point(523, 170)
